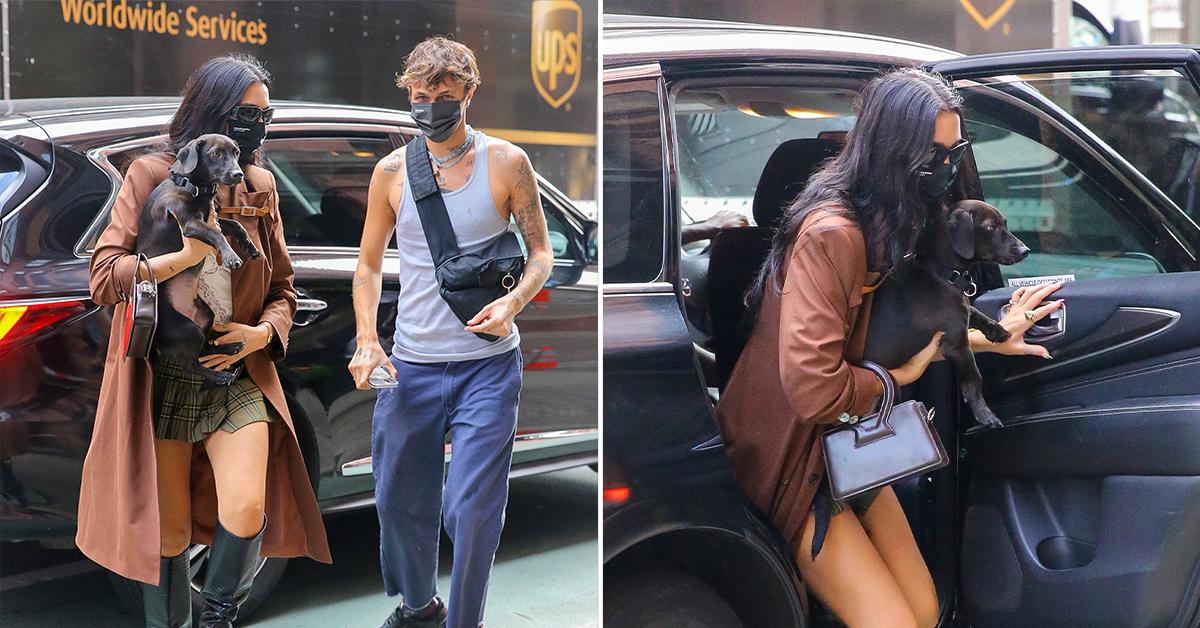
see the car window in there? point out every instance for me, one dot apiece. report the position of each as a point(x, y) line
point(727, 133)
point(1127, 108)
point(10, 172)
point(633, 211)
point(322, 185)
point(1057, 200)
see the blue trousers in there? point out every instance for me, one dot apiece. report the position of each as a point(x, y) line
point(476, 402)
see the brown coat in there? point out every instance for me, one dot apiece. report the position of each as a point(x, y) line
point(118, 497)
point(794, 376)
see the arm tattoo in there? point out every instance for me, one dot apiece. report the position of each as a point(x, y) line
point(527, 211)
point(391, 163)
point(526, 208)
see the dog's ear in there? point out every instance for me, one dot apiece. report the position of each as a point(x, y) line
point(187, 159)
point(961, 226)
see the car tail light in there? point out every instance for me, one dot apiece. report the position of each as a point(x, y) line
point(22, 323)
point(616, 494)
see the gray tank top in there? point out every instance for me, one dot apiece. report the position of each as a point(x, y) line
point(426, 329)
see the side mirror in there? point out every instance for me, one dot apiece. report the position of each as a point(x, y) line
point(591, 252)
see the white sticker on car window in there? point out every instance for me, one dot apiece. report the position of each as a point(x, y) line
point(1017, 282)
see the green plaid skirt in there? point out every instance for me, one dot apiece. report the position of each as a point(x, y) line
point(184, 412)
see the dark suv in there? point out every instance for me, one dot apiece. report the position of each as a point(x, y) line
point(1085, 508)
point(61, 163)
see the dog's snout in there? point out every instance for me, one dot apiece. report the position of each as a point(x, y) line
point(1020, 252)
point(238, 176)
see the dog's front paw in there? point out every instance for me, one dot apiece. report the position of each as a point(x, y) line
point(231, 261)
point(988, 420)
point(997, 334)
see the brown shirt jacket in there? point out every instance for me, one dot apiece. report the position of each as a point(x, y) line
point(118, 499)
point(795, 375)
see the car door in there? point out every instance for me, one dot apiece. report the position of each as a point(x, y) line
point(322, 172)
point(1084, 509)
point(558, 335)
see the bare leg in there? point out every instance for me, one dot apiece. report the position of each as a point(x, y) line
point(173, 460)
point(851, 578)
point(239, 462)
point(889, 532)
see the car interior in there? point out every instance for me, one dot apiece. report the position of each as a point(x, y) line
point(1028, 536)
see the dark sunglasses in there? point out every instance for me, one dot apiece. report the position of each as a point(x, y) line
point(250, 113)
point(940, 153)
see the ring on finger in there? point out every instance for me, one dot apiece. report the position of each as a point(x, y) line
point(1029, 315)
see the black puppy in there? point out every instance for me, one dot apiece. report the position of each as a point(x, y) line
point(928, 293)
point(182, 205)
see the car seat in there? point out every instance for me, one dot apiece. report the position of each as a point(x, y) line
point(737, 254)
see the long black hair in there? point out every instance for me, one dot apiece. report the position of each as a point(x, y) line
point(210, 95)
point(873, 179)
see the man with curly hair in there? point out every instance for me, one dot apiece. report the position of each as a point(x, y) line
point(450, 380)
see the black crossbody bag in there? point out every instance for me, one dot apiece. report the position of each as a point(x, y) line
point(467, 281)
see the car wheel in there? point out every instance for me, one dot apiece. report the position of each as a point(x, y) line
point(666, 599)
point(268, 571)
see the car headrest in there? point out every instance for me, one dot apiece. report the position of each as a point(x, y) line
point(785, 175)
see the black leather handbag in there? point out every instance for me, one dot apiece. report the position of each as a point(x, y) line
point(467, 281)
point(896, 442)
point(141, 312)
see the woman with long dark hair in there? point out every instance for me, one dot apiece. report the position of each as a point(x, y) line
point(861, 213)
point(170, 463)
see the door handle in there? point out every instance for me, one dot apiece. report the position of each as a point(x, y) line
point(1052, 326)
point(307, 304)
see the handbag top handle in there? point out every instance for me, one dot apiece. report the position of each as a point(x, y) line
point(889, 389)
point(435, 220)
point(149, 271)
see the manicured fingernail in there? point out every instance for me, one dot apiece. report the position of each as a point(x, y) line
point(1048, 356)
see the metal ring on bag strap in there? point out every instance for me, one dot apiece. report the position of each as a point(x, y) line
point(149, 271)
point(889, 389)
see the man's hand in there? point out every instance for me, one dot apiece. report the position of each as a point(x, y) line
point(368, 356)
point(496, 318)
point(708, 229)
point(252, 337)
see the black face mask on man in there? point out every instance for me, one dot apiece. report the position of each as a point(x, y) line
point(437, 120)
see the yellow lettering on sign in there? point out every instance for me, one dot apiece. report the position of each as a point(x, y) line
point(157, 17)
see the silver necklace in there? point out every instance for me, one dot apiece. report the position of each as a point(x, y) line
point(455, 155)
point(449, 161)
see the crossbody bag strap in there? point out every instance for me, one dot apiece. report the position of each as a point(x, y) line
point(431, 208)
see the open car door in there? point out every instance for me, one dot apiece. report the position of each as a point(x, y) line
point(1084, 509)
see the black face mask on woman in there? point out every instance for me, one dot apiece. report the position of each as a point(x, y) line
point(437, 120)
point(248, 136)
point(935, 182)
point(937, 175)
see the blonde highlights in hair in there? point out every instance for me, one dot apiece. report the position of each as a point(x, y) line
point(437, 59)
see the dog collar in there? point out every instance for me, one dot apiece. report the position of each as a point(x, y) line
point(192, 188)
point(961, 280)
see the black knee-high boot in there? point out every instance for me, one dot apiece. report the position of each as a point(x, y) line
point(169, 605)
point(230, 574)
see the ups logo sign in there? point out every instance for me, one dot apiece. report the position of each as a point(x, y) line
point(557, 49)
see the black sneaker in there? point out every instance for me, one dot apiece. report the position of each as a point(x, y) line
point(404, 617)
